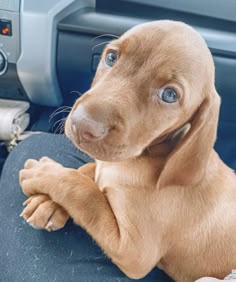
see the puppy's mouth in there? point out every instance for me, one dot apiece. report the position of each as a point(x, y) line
point(103, 146)
point(112, 143)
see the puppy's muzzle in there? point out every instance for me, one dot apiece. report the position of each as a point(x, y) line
point(85, 127)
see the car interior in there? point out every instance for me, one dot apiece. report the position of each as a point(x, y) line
point(50, 49)
point(49, 52)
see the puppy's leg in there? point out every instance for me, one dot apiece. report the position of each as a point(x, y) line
point(88, 170)
point(90, 208)
point(80, 196)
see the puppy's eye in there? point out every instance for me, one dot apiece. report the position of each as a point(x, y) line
point(168, 95)
point(111, 58)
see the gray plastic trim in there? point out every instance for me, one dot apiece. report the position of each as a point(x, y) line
point(96, 23)
point(12, 5)
point(36, 66)
point(220, 42)
point(220, 9)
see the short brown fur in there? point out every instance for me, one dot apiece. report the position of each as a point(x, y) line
point(151, 199)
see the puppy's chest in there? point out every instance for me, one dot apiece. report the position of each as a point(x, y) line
point(123, 176)
point(112, 176)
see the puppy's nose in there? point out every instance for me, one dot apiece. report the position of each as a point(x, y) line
point(85, 127)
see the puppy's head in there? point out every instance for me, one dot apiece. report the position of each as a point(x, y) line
point(149, 83)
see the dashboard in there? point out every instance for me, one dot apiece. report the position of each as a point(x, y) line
point(49, 49)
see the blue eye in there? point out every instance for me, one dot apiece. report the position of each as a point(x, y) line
point(111, 58)
point(168, 95)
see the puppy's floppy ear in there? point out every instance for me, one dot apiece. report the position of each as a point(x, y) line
point(186, 164)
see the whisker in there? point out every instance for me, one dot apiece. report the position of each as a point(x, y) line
point(64, 109)
point(51, 118)
point(99, 44)
point(59, 112)
point(77, 92)
point(61, 127)
point(59, 124)
point(61, 109)
point(105, 34)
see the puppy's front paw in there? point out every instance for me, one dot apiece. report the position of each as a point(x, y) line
point(42, 213)
point(38, 176)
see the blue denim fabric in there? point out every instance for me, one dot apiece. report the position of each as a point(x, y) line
point(67, 255)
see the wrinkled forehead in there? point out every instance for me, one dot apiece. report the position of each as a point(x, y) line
point(164, 46)
point(162, 32)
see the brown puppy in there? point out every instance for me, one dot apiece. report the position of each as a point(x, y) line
point(158, 195)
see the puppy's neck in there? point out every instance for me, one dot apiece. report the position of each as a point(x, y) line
point(143, 170)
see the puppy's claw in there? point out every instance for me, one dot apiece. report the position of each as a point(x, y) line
point(23, 215)
point(27, 202)
point(30, 222)
point(49, 226)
